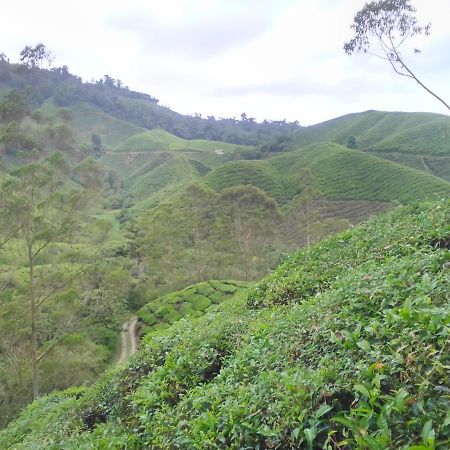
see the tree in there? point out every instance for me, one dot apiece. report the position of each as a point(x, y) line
point(96, 145)
point(351, 142)
point(382, 27)
point(253, 216)
point(39, 210)
point(304, 204)
point(14, 107)
point(200, 209)
point(33, 58)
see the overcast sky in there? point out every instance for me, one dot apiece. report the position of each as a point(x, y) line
point(272, 59)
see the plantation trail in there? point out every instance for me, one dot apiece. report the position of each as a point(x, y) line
point(128, 340)
point(425, 164)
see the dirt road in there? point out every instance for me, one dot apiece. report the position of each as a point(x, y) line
point(128, 340)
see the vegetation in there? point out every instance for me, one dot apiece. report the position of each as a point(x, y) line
point(111, 97)
point(191, 302)
point(170, 213)
point(387, 25)
point(353, 358)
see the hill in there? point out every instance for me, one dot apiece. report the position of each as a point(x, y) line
point(418, 140)
point(192, 302)
point(340, 174)
point(343, 345)
point(110, 97)
point(171, 209)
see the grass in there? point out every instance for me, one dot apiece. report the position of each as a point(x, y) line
point(345, 345)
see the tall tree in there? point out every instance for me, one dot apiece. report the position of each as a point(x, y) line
point(382, 28)
point(36, 57)
point(41, 211)
point(200, 209)
point(253, 217)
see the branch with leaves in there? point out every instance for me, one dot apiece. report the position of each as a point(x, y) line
point(382, 28)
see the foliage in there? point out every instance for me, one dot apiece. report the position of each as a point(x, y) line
point(34, 57)
point(192, 302)
point(360, 362)
point(387, 25)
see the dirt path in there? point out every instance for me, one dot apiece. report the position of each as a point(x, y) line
point(128, 340)
point(425, 164)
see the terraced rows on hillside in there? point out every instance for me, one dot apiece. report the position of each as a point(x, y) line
point(340, 174)
point(416, 133)
point(192, 302)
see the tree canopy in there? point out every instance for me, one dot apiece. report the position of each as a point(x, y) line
point(382, 27)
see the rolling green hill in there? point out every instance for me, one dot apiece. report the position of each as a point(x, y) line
point(346, 344)
point(340, 174)
point(417, 133)
point(175, 207)
point(417, 140)
point(162, 140)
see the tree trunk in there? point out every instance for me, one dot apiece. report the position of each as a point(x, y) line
point(34, 360)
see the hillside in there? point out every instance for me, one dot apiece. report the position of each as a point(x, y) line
point(131, 208)
point(107, 104)
point(192, 302)
point(344, 346)
point(417, 140)
point(340, 174)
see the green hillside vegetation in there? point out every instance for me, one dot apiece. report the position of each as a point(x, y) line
point(191, 302)
point(111, 100)
point(87, 119)
point(162, 140)
point(345, 345)
point(417, 133)
point(417, 140)
point(438, 166)
point(170, 206)
point(340, 174)
point(256, 173)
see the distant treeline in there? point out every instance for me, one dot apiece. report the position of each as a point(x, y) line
point(113, 97)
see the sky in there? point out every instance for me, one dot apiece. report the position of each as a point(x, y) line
point(273, 59)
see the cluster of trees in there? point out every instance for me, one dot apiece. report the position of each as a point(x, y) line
point(63, 294)
point(239, 233)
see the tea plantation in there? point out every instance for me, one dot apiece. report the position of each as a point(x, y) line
point(344, 346)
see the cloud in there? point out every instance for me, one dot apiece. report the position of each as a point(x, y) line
point(270, 58)
point(197, 35)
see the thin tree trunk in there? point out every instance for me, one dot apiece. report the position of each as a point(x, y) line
point(34, 359)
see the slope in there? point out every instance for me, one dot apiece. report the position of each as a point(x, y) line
point(417, 140)
point(193, 301)
point(356, 359)
point(419, 133)
point(340, 174)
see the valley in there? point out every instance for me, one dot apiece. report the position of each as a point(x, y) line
point(270, 303)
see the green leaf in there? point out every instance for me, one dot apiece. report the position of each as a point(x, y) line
point(310, 434)
point(428, 434)
point(362, 390)
point(322, 410)
point(364, 345)
point(447, 419)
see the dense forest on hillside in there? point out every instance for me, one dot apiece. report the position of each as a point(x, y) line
point(143, 110)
